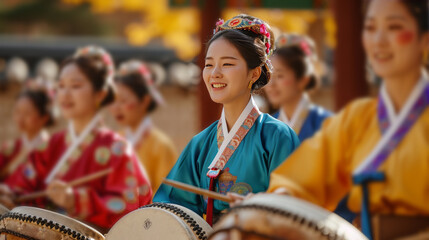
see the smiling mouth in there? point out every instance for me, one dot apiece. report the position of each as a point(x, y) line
point(67, 105)
point(383, 56)
point(218, 85)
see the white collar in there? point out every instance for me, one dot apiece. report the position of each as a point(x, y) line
point(392, 115)
point(229, 135)
point(134, 137)
point(88, 128)
point(30, 144)
point(76, 141)
point(250, 105)
point(304, 104)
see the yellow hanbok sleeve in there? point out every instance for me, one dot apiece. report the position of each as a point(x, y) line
point(158, 155)
point(319, 171)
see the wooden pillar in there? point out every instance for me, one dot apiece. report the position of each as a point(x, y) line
point(210, 13)
point(350, 74)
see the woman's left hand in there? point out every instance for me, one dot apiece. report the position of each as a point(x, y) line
point(61, 194)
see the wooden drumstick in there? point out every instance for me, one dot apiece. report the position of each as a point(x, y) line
point(73, 183)
point(197, 190)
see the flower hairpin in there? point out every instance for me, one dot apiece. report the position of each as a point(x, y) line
point(135, 66)
point(240, 23)
point(302, 42)
point(95, 51)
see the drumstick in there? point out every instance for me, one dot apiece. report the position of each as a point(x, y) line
point(73, 183)
point(197, 190)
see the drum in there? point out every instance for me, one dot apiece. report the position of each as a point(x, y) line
point(160, 221)
point(35, 223)
point(272, 216)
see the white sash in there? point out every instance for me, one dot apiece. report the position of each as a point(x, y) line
point(229, 135)
point(395, 124)
point(76, 141)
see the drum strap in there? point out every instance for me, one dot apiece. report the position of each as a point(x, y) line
point(209, 211)
point(367, 172)
point(228, 142)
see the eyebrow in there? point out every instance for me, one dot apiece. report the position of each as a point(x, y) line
point(72, 79)
point(225, 57)
point(393, 17)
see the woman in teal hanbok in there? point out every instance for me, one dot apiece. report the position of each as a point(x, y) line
point(238, 152)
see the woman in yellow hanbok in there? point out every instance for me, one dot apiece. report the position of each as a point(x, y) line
point(137, 97)
point(374, 153)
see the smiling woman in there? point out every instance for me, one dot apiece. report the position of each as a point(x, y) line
point(375, 151)
point(238, 152)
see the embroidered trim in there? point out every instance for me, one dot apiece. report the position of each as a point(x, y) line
point(416, 104)
point(234, 137)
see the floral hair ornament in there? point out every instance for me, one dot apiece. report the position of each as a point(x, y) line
point(39, 84)
point(136, 66)
point(103, 55)
point(303, 42)
point(244, 22)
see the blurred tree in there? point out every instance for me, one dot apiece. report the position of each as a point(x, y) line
point(177, 28)
point(52, 17)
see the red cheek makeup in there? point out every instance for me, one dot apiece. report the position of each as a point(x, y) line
point(130, 106)
point(405, 37)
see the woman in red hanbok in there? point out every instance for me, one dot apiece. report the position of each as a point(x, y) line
point(86, 147)
point(31, 115)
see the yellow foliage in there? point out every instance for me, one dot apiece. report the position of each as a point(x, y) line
point(138, 34)
point(331, 31)
point(134, 5)
point(179, 27)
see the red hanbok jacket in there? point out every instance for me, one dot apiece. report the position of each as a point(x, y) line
point(102, 201)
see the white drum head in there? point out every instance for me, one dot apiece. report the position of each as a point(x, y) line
point(160, 221)
point(37, 223)
point(288, 217)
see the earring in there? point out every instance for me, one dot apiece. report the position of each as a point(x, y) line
point(250, 85)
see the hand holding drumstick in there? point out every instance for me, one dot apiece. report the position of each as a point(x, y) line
point(6, 196)
point(232, 198)
point(61, 193)
point(197, 190)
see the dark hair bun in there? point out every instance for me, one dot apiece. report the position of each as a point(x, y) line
point(97, 65)
point(299, 62)
point(137, 76)
point(41, 101)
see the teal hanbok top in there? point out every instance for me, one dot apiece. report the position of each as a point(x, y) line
point(267, 144)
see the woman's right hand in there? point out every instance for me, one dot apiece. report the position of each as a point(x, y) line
point(237, 198)
point(282, 191)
